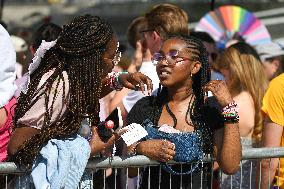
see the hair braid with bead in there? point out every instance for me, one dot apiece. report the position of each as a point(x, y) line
point(78, 51)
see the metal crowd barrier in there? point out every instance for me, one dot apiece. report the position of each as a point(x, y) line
point(118, 164)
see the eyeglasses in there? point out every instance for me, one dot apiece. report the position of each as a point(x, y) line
point(171, 58)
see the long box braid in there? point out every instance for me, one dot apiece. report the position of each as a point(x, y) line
point(78, 51)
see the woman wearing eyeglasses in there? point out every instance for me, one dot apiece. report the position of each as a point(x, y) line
point(182, 106)
point(67, 78)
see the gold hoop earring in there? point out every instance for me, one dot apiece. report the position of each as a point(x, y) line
point(191, 74)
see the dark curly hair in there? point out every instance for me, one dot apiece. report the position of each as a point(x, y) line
point(47, 32)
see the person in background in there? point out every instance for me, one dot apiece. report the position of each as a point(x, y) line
point(237, 37)
point(163, 20)
point(270, 55)
point(7, 90)
point(273, 134)
point(141, 62)
point(243, 71)
point(21, 48)
point(137, 42)
point(47, 32)
point(212, 51)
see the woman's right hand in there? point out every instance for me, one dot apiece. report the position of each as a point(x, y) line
point(98, 145)
point(160, 150)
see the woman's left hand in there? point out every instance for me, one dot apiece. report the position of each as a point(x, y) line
point(98, 145)
point(136, 81)
point(220, 91)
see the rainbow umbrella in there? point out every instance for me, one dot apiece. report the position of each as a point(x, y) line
point(226, 21)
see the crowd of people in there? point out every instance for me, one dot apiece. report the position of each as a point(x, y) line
point(194, 101)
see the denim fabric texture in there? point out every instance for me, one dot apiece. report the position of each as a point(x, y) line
point(187, 145)
point(61, 163)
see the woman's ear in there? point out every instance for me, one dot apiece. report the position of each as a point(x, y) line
point(195, 67)
point(156, 36)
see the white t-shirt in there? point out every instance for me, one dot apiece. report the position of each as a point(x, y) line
point(132, 97)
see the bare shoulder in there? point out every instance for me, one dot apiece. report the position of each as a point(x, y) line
point(244, 99)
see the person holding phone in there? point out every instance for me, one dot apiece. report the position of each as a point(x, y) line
point(67, 79)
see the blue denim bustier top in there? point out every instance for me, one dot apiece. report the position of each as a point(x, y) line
point(188, 145)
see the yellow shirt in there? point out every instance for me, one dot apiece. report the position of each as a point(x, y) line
point(273, 106)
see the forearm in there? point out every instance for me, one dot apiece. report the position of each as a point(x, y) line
point(20, 135)
point(230, 154)
point(117, 99)
point(271, 137)
point(267, 173)
point(105, 88)
point(132, 68)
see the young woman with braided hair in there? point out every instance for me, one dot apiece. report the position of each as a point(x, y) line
point(181, 106)
point(66, 86)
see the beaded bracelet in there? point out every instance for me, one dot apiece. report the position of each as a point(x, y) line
point(229, 106)
point(233, 119)
point(113, 80)
point(230, 113)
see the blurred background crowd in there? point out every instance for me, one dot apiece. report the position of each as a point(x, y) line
point(23, 17)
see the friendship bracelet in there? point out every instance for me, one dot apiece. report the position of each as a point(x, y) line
point(229, 106)
point(114, 82)
point(231, 119)
point(230, 113)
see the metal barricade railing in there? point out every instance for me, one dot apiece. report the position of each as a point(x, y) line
point(123, 163)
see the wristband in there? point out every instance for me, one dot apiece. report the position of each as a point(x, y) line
point(114, 82)
point(230, 113)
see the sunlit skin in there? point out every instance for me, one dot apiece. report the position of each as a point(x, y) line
point(109, 54)
point(226, 74)
point(175, 73)
point(153, 41)
point(24, 132)
point(173, 77)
